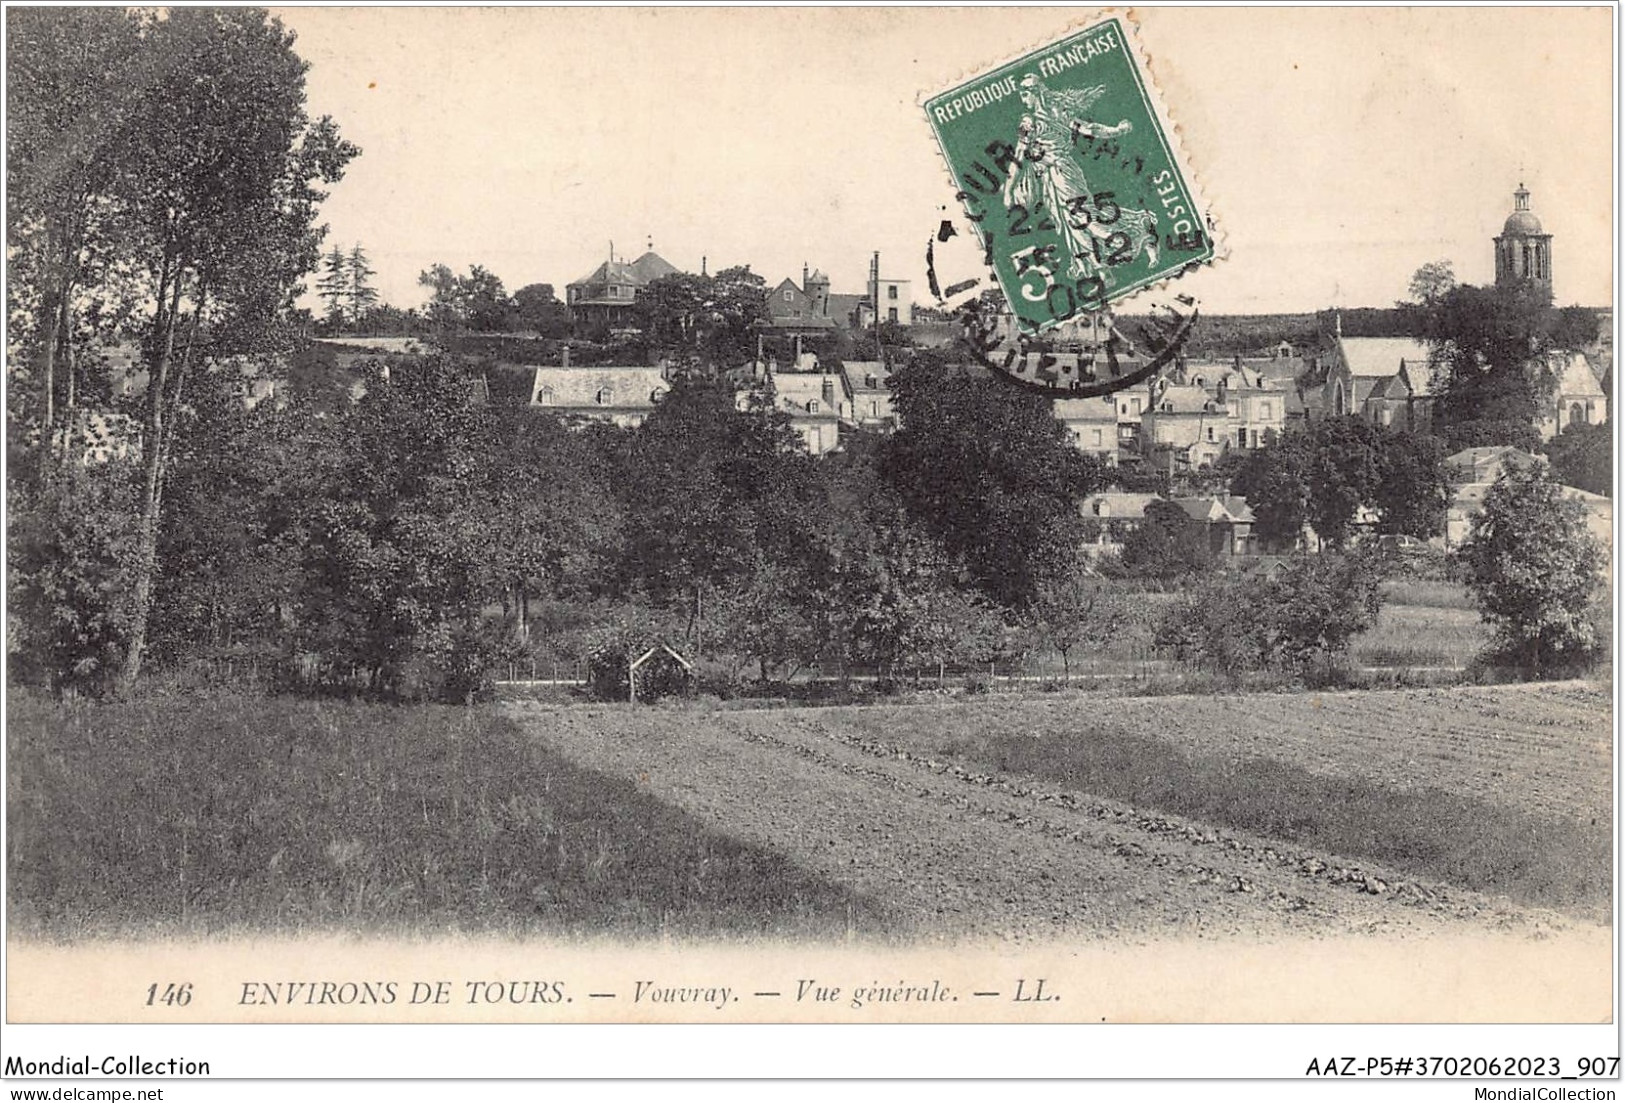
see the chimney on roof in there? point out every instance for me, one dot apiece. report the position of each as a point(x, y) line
point(829, 391)
point(566, 362)
point(1337, 321)
point(805, 272)
point(702, 265)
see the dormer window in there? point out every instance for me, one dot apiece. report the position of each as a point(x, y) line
point(870, 382)
point(602, 397)
point(812, 405)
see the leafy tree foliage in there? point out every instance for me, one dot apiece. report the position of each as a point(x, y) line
point(71, 566)
point(73, 87)
point(1412, 491)
point(1342, 474)
point(1533, 567)
point(1325, 475)
point(707, 486)
point(1168, 545)
point(1432, 282)
point(537, 308)
point(398, 563)
point(1275, 481)
point(186, 167)
point(704, 320)
point(476, 301)
point(1487, 339)
point(1582, 455)
point(989, 472)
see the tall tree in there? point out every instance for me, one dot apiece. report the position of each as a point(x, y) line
point(989, 472)
point(1491, 342)
point(219, 190)
point(1342, 475)
point(476, 301)
point(1412, 490)
point(1167, 545)
point(537, 308)
point(399, 564)
point(359, 295)
point(708, 488)
point(1274, 480)
point(72, 88)
point(1583, 456)
point(1533, 567)
point(334, 288)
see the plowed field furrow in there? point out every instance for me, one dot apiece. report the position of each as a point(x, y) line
point(1542, 749)
point(955, 853)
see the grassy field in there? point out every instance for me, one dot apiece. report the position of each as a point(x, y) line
point(1504, 790)
point(202, 816)
point(1423, 624)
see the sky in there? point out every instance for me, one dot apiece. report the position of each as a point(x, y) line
point(1339, 149)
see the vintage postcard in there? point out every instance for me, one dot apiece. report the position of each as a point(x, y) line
point(583, 517)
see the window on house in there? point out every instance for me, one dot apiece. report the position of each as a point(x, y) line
point(789, 296)
point(812, 405)
point(874, 409)
point(1210, 432)
point(891, 314)
point(1241, 438)
point(891, 291)
point(870, 382)
point(1264, 410)
point(1097, 439)
point(544, 397)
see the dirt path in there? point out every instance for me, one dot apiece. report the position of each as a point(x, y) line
point(957, 854)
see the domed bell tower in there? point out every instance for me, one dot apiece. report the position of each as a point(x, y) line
point(1524, 249)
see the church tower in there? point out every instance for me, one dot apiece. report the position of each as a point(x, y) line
point(1524, 250)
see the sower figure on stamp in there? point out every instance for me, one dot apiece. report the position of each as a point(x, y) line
point(1046, 172)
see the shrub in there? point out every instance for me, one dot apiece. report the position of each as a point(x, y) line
point(1299, 623)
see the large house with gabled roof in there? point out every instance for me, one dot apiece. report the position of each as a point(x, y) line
point(607, 294)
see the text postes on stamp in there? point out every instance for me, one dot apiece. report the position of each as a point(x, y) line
point(1065, 168)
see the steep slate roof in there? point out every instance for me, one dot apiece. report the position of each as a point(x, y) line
point(842, 306)
point(859, 371)
point(1102, 409)
point(1187, 399)
point(650, 266)
point(1228, 510)
point(1114, 504)
point(623, 388)
point(795, 390)
point(1575, 377)
point(1420, 375)
point(1374, 357)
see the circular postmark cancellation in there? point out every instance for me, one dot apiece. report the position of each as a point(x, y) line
point(1074, 197)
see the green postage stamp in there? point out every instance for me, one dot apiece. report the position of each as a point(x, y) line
point(1064, 165)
